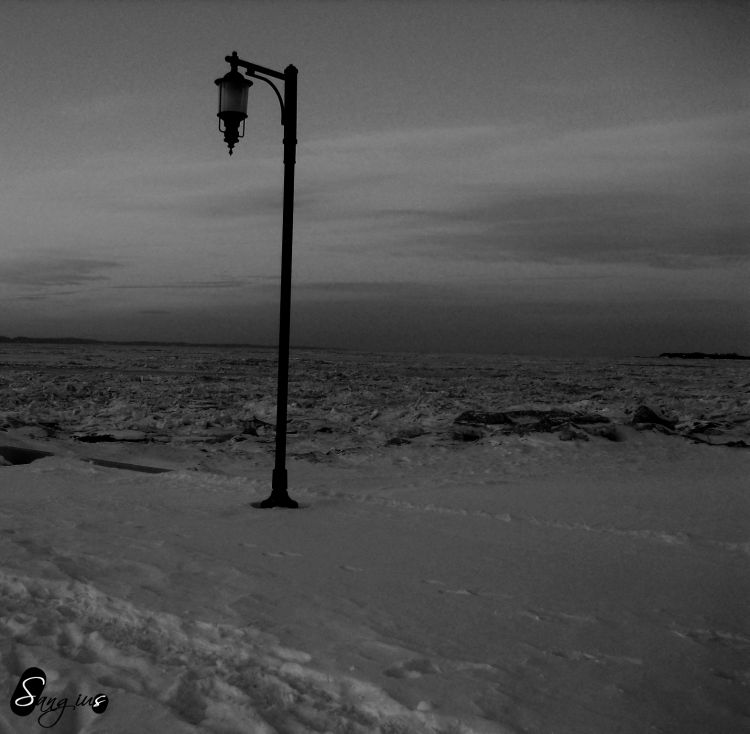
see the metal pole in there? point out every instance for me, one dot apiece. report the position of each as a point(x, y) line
point(279, 496)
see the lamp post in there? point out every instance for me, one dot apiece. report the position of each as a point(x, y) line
point(233, 90)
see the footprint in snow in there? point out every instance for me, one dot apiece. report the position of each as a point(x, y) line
point(415, 668)
point(465, 592)
point(545, 615)
point(597, 658)
point(459, 592)
point(282, 554)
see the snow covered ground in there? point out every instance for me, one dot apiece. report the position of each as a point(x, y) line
point(489, 544)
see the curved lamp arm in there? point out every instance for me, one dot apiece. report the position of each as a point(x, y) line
point(275, 89)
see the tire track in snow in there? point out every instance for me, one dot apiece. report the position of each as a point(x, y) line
point(658, 536)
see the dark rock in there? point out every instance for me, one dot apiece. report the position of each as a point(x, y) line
point(397, 441)
point(219, 437)
point(644, 416)
point(608, 431)
point(111, 436)
point(548, 423)
point(256, 427)
point(707, 428)
point(569, 433)
point(586, 419)
point(538, 413)
point(10, 455)
point(475, 418)
point(412, 431)
point(467, 433)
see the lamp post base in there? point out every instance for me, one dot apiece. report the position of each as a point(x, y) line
point(279, 496)
point(276, 500)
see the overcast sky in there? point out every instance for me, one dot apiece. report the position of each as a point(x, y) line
point(561, 178)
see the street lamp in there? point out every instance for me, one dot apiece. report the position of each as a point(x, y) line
point(233, 89)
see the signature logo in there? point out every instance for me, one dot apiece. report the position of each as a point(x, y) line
point(28, 696)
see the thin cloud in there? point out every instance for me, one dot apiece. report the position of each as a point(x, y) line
point(656, 228)
point(55, 270)
point(187, 285)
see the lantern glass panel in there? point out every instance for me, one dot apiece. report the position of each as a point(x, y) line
point(233, 89)
point(233, 97)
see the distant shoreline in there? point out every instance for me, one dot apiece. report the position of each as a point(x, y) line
point(702, 355)
point(137, 343)
point(140, 342)
point(145, 343)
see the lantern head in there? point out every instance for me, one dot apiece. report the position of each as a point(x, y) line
point(232, 106)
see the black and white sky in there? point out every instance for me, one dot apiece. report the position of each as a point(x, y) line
point(558, 178)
